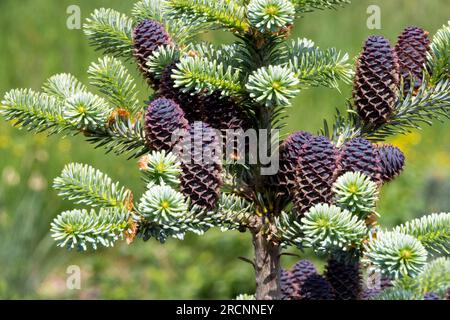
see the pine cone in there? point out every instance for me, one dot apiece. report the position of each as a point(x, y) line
point(201, 166)
point(289, 287)
point(148, 36)
point(392, 162)
point(412, 48)
point(431, 296)
point(290, 151)
point(376, 81)
point(360, 155)
point(345, 279)
point(315, 174)
point(292, 280)
point(191, 104)
point(302, 270)
point(162, 118)
point(223, 113)
point(316, 287)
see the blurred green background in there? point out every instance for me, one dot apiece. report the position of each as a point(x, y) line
point(35, 44)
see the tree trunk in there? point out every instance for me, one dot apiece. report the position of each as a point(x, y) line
point(267, 268)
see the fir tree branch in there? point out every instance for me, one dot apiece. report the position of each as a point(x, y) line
point(160, 167)
point(63, 86)
point(289, 230)
point(71, 110)
point(163, 205)
point(327, 228)
point(439, 55)
point(252, 55)
point(395, 254)
point(346, 126)
point(227, 54)
point(233, 212)
point(34, 111)
point(88, 186)
point(432, 230)
point(273, 86)
point(303, 6)
point(435, 277)
point(161, 58)
point(224, 13)
point(194, 220)
point(122, 136)
point(357, 193)
point(315, 67)
point(430, 103)
point(270, 16)
point(411, 112)
point(87, 111)
point(115, 82)
point(111, 32)
point(180, 28)
point(82, 228)
point(151, 9)
point(200, 75)
point(397, 294)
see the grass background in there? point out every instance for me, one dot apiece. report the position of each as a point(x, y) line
point(35, 44)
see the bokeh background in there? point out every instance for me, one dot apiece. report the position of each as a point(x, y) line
point(35, 44)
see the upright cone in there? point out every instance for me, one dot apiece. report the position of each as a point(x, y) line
point(148, 36)
point(360, 155)
point(345, 278)
point(163, 118)
point(316, 287)
point(376, 81)
point(314, 174)
point(412, 48)
point(392, 162)
point(223, 112)
point(290, 152)
point(293, 279)
point(201, 166)
point(289, 288)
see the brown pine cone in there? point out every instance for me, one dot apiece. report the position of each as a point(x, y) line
point(412, 48)
point(148, 36)
point(162, 119)
point(345, 278)
point(290, 151)
point(360, 155)
point(201, 166)
point(315, 174)
point(376, 81)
